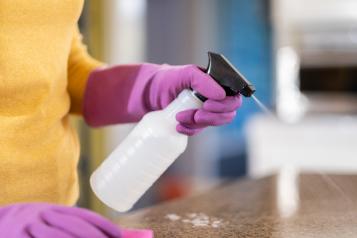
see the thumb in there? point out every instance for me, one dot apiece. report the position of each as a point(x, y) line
point(202, 83)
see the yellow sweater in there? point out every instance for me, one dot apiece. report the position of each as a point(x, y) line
point(43, 72)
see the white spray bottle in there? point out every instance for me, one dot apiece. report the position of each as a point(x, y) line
point(154, 144)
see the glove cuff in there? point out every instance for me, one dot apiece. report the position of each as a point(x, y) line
point(117, 94)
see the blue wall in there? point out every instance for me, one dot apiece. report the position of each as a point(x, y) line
point(245, 39)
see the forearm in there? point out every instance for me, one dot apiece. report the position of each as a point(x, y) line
point(117, 94)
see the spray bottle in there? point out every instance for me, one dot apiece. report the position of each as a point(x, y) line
point(154, 144)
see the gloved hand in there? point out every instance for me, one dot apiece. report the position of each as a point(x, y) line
point(125, 93)
point(41, 220)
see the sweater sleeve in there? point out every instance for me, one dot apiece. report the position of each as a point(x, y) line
point(80, 65)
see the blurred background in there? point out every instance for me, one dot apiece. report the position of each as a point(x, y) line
point(300, 54)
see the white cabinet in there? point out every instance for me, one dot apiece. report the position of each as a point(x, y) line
point(315, 144)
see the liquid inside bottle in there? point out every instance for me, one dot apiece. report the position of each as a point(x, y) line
point(143, 156)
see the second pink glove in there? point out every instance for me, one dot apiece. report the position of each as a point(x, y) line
point(43, 220)
point(125, 93)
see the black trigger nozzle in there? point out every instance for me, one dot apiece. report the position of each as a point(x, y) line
point(226, 75)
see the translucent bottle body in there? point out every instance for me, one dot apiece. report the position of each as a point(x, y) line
point(143, 156)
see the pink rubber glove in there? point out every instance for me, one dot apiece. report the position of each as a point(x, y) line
point(125, 93)
point(41, 220)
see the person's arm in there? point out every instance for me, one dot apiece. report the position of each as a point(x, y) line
point(80, 65)
point(124, 93)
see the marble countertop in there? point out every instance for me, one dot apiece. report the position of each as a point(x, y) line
point(308, 205)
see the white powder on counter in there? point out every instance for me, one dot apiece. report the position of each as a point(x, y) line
point(196, 219)
point(173, 217)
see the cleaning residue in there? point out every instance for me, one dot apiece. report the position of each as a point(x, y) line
point(173, 217)
point(196, 219)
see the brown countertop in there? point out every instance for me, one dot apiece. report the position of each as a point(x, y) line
point(319, 206)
